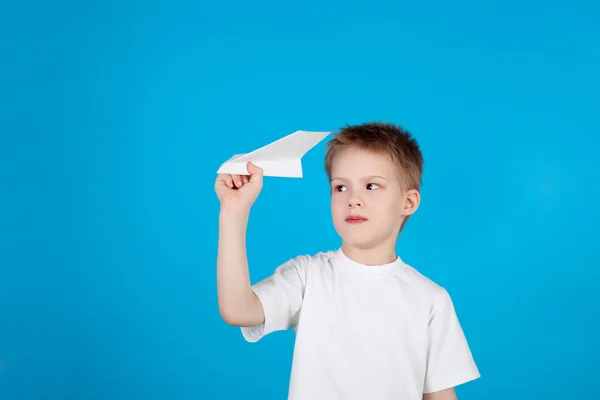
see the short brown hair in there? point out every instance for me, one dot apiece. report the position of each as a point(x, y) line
point(383, 138)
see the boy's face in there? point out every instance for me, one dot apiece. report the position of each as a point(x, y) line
point(368, 204)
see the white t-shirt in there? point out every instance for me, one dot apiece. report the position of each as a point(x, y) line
point(363, 332)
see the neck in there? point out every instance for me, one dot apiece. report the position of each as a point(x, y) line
point(383, 253)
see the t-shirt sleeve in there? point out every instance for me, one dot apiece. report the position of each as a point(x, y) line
point(449, 360)
point(281, 297)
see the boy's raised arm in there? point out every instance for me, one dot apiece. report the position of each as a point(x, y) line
point(447, 394)
point(238, 304)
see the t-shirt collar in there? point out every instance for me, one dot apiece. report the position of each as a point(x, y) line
point(368, 270)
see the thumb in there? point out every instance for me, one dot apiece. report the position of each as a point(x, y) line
point(256, 172)
point(254, 169)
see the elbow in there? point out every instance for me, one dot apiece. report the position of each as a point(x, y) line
point(229, 317)
point(242, 314)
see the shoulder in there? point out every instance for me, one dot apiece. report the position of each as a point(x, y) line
point(304, 263)
point(313, 260)
point(432, 292)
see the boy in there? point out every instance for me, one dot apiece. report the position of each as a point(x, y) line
point(368, 326)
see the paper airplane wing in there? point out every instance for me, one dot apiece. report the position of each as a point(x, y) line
point(280, 158)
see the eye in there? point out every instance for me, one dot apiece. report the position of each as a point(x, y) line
point(372, 186)
point(340, 188)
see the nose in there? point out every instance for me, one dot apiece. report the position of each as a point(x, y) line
point(355, 202)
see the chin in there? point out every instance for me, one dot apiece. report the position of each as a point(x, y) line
point(358, 240)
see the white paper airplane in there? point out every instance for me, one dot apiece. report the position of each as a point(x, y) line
point(280, 158)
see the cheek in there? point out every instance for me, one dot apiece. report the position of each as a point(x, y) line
point(387, 206)
point(338, 205)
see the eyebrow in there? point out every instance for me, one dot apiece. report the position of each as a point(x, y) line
point(366, 178)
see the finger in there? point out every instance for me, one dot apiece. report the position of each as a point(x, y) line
point(220, 179)
point(256, 173)
point(226, 178)
point(237, 179)
point(254, 169)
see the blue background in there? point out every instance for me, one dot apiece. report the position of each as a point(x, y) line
point(115, 116)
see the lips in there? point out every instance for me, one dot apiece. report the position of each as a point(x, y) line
point(355, 219)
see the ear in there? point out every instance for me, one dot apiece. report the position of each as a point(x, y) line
point(412, 200)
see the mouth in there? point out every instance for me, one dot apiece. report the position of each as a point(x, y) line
point(355, 219)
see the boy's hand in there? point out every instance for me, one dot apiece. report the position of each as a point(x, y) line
point(238, 192)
